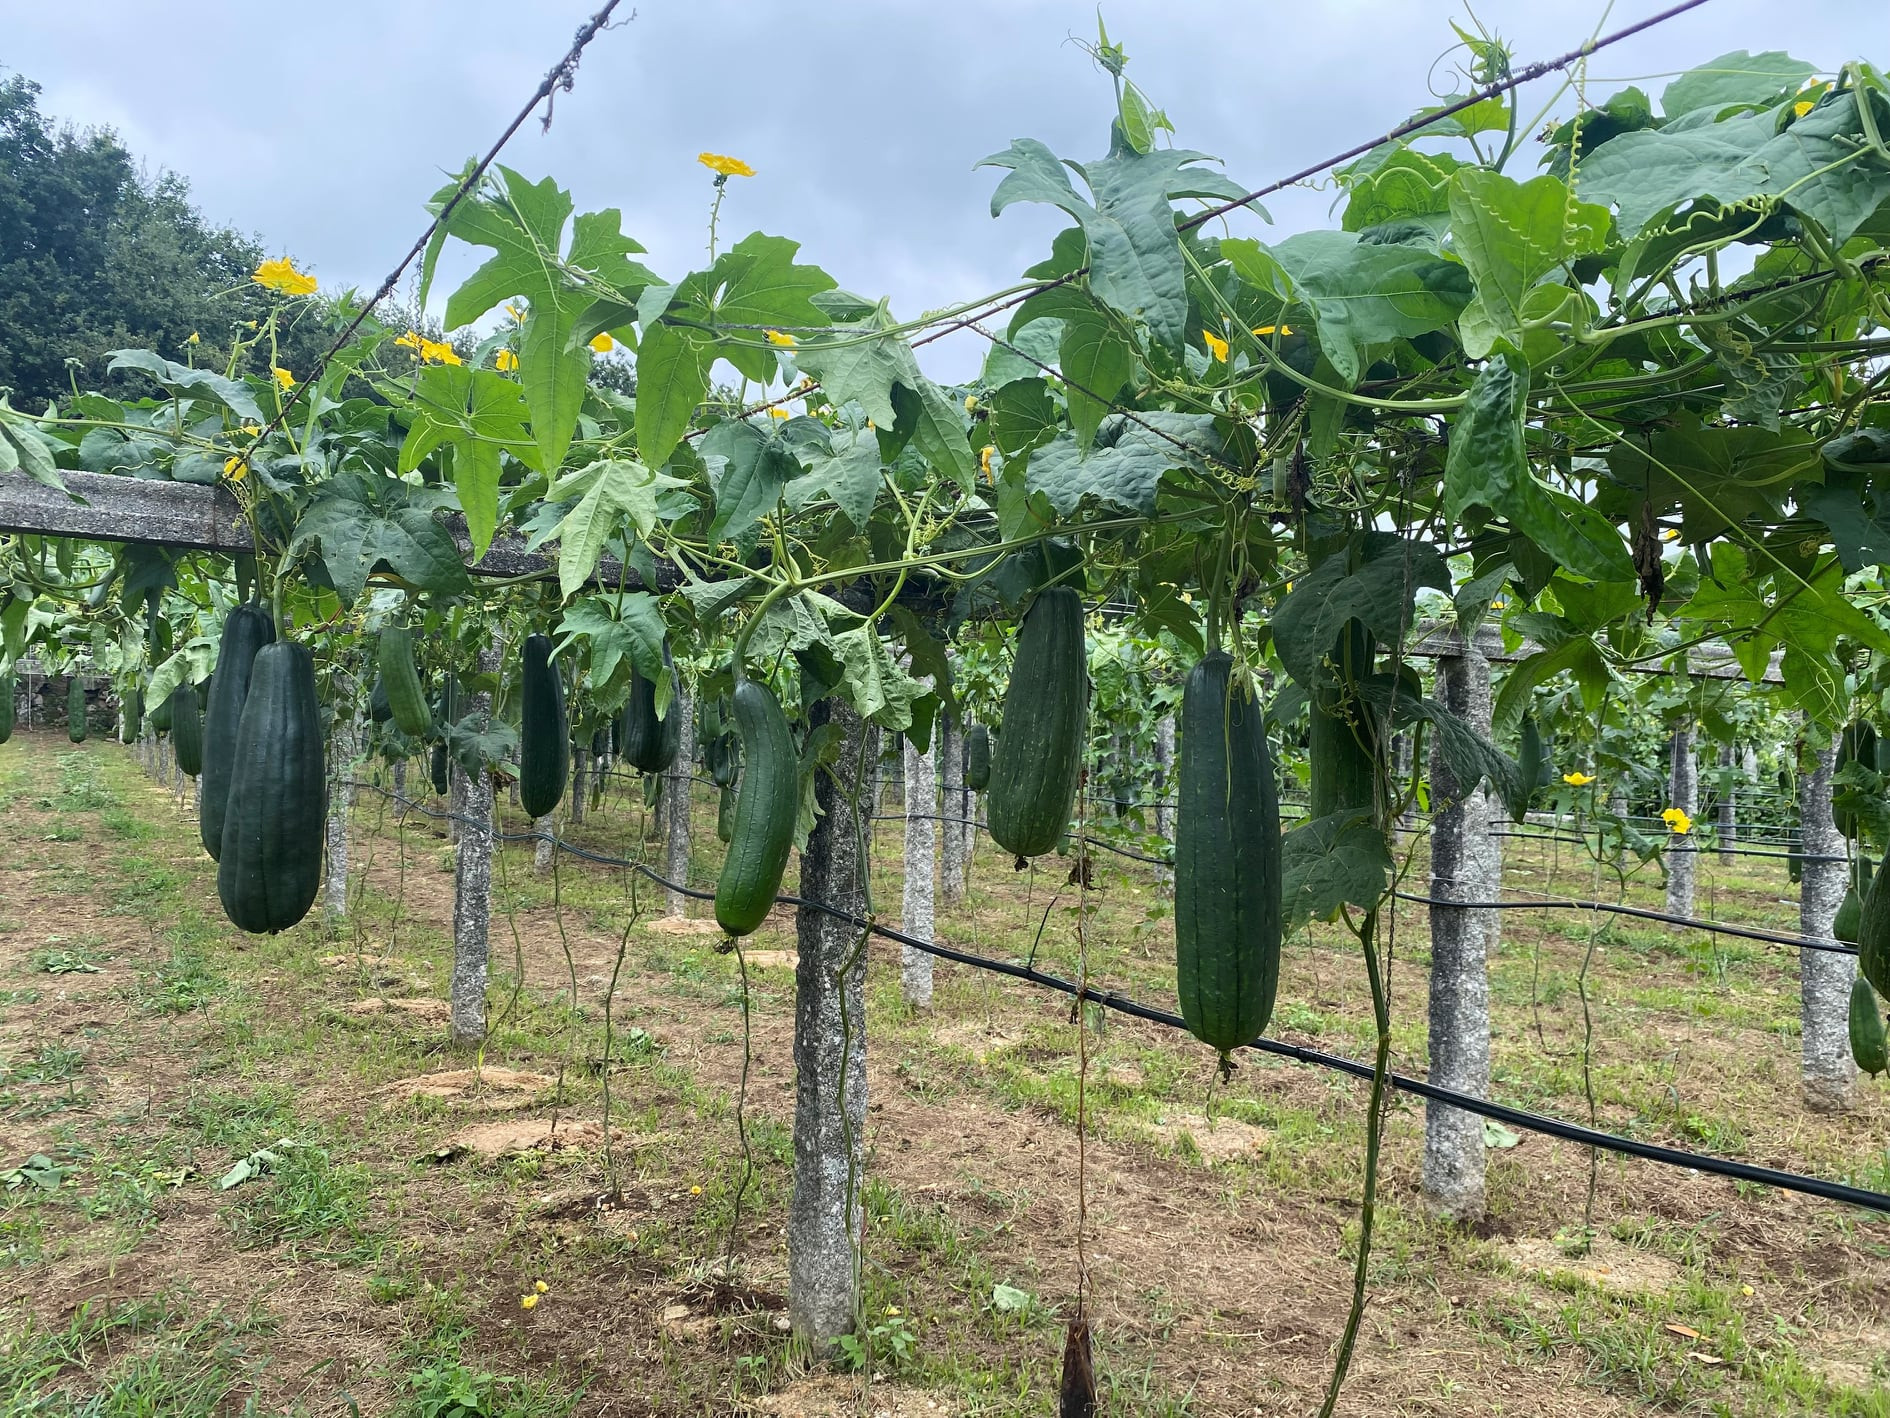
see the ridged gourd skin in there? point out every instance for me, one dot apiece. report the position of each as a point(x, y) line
point(186, 730)
point(159, 717)
point(766, 805)
point(649, 743)
point(6, 706)
point(75, 709)
point(270, 868)
point(544, 731)
point(246, 630)
point(1227, 860)
point(978, 758)
point(1873, 934)
point(436, 769)
point(1530, 760)
point(1344, 762)
point(379, 710)
point(725, 814)
point(1037, 763)
point(400, 680)
point(134, 713)
point(1870, 1048)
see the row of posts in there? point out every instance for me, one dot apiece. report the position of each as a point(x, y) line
point(829, 1040)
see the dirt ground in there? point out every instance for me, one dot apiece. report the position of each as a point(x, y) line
point(382, 1258)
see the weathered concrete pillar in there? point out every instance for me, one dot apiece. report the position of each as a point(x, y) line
point(547, 828)
point(830, 1043)
point(915, 966)
point(1683, 792)
point(955, 810)
point(580, 783)
point(472, 886)
point(676, 785)
point(1165, 787)
point(335, 833)
point(1824, 976)
point(1466, 865)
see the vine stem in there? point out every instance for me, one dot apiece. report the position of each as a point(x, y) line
point(1367, 932)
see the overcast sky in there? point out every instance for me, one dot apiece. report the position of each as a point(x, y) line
point(323, 128)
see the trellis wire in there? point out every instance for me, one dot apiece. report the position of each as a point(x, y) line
point(1121, 1004)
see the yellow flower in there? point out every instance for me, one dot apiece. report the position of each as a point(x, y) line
point(1273, 329)
point(1667, 534)
point(695, 1191)
point(515, 312)
point(252, 429)
point(971, 403)
point(284, 379)
point(984, 460)
point(1578, 779)
point(540, 1286)
point(894, 1311)
point(779, 414)
point(438, 352)
point(195, 339)
point(1216, 345)
point(781, 339)
point(1677, 820)
point(526, 1302)
point(603, 344)
point(505, 361)
point(281, 275)
point(411, 340)
point(234, 468)
point(724, 166)
point(1745, 1289)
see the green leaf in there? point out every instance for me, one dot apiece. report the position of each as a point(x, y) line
point(524, 223)
point(359, 533)
point(1820, 165)
point(1488, 466)
point(1405, 186)
point(672, 381)
point(1334, 861)
point(479, 414)
point(180, 381)
point(1135, 262)
point(1511, 234)
point(876, 687)
point(621, 490)
point(1126, 466)
point(1023, 416)
point(1471, 758)
point(1736, 78)
point(849, 473)
point(1862, 538)
point(755, 282)
point(1375, 583)
point(24, 448)
point(620, 631)
point(759, 468)
point(1360, 293)
point(860, 363)
point(1096, 361)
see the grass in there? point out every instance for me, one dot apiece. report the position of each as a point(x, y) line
point(269, 1053)
point(130, 1360)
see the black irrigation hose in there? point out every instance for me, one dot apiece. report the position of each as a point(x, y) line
point(1122, 1004)
point(1564, 903)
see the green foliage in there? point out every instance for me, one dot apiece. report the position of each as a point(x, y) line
point(95, 255)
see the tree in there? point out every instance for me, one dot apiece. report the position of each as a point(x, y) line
point(97, 256)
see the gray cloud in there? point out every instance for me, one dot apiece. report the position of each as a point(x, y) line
point(324, 128)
